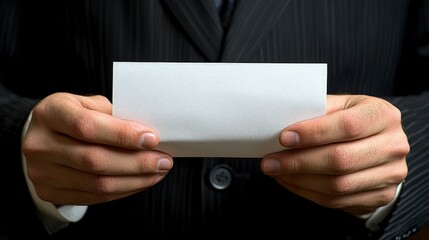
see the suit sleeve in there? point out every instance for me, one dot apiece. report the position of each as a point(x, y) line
point(411, 212)
point(18, 216)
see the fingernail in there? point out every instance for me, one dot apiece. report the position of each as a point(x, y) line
point(165, 164)
point(148, 140)
point(271, 165)
point(289, 138)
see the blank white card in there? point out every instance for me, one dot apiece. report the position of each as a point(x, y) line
point(218, 109)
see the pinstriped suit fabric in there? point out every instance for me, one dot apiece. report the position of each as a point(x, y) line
point(70, 46)
point(413, 202)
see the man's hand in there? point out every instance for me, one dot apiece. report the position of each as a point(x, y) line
point(78, 153)
point(353, 158)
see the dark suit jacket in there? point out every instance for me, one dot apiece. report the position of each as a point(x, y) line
point(375, 47)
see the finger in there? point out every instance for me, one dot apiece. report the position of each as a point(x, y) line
point(75, 197)
point(89, 119)
point(347, 118)
point(337, 158)
point(102, 185)
point(106, 160)
point(368, 200)
point(366, 180)
point(105, 185)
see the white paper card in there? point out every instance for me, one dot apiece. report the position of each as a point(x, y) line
point(218, 109)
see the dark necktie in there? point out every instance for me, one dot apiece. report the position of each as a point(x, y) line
point(225, 9)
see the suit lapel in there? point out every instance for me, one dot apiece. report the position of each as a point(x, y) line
point(201, 22)
point(250, 23)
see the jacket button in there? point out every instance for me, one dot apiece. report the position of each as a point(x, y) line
point(220, 176)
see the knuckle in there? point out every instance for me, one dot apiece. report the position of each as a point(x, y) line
point(93, 160)
point(104, 185)
point(84, 126)
point(101, 98)
point(341, 185)
point(401, 172)
point(393, 113)
point(352, 125)
point(341, 159)
point(29, 146)
point(402, 148)
point(396, 114)
point(386, 196)
point(40, 110)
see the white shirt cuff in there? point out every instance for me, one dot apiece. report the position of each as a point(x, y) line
point(374, 219)
point(52, 217)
